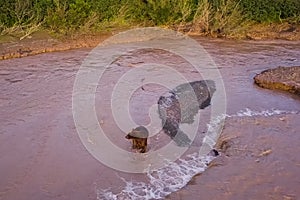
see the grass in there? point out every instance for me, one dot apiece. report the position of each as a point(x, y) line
point(225, 18)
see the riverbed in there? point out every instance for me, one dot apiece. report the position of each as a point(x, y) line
point(42, 156)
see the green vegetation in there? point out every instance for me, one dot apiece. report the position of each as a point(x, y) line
point(23, 17)
point(270, 10)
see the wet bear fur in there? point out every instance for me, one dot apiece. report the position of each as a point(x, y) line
point(139, 137)
point(181, 104)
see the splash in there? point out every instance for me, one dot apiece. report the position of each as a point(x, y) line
point(175, 175)
point(162, 182)
point(266, 113)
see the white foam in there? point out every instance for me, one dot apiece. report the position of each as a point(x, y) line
point(175, 175)
point(162, 182)
point(250, 113)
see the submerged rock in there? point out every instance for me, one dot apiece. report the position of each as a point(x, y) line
point(181, 104)
point(281, 78)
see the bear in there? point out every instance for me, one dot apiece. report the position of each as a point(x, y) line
point(139, 138)
point(181, 104)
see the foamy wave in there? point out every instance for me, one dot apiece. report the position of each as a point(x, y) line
point(175, 175)
point(250, 113)
point(162, 182)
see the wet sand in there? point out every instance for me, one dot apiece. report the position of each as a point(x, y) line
point(42, 156)
point(259, 160)
point(43, 42)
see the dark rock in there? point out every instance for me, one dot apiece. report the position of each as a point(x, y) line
point(215, 152)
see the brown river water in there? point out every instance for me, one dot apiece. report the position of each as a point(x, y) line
point(42, 156)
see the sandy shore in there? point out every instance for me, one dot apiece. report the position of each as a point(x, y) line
point(42, 42)
point(267, 168)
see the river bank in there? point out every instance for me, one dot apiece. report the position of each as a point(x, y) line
point(43, 41)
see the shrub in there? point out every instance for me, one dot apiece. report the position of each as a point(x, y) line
point(209, 15)
point(220, 17)
point(68, 15)
point(270, 10)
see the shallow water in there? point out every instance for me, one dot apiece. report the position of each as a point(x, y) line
point(42, 156)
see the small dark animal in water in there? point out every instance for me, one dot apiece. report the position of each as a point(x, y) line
point(181, 104)
point(139, 137)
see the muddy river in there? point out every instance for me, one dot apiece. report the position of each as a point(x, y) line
point(43, 157)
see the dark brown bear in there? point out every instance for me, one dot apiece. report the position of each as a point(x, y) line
point(139, 137)
point(181, 104)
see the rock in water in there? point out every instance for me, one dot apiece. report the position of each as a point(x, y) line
point(181, 104)
point(280, 78)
